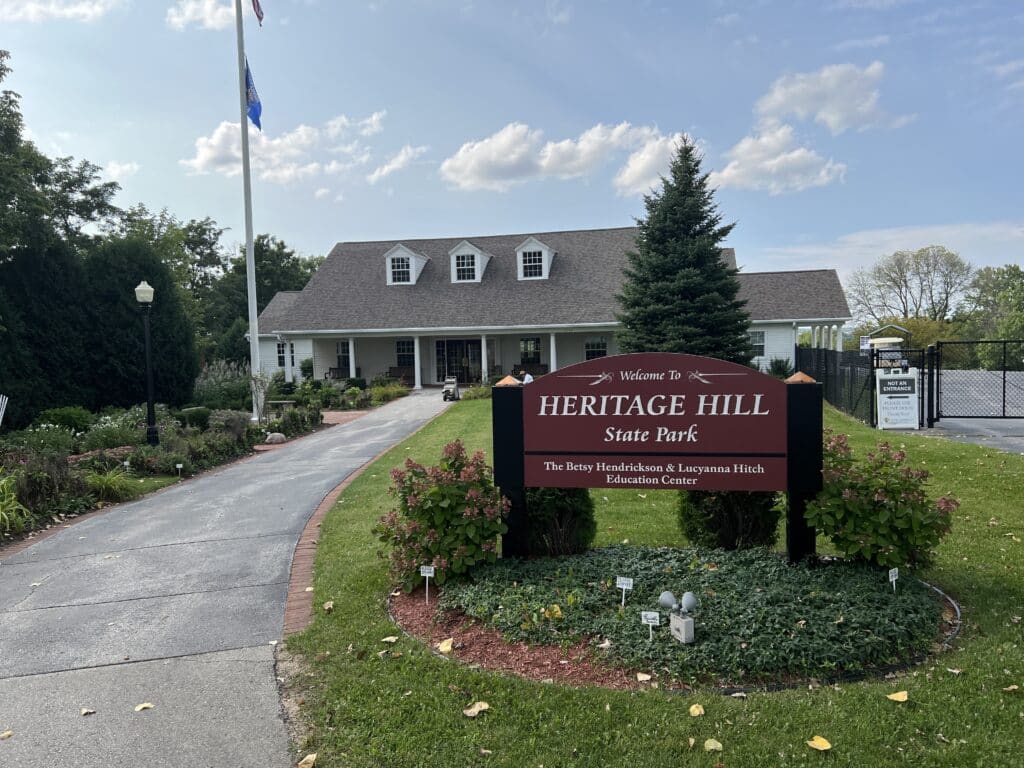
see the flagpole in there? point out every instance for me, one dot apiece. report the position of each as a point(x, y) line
point(250, 258)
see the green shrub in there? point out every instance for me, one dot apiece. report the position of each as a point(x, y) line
point(306, 367)
point(197, 416)
point(224, 384)
point(293, 421)
point(44, 440)
point(349, 383)
point(234, 423)
point(729, 519)
point(146, 459)
point(112, 486)
point(877, 510)
point(167, 463)
point(383, 393)
point(108, 433)
point(73, 417)
point(560, 521)
point(779, 368)
point(354, 397)
point(14, 516)
point(448, 516)
point(47, 486)
point(482, 392)
point(383, 380)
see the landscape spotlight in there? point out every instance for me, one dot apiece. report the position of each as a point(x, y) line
point(680, 622)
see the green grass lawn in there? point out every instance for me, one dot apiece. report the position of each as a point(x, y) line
point(405, 709)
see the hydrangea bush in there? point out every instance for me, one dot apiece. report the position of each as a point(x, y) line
point(877, 509)
point(448, 516)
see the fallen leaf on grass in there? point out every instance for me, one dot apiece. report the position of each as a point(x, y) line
point(642, 677)
point(940, 737)
point(604, 646)
point(691, 741)
point(898, 696)
point(485, 751)
point(476, 709)
point(308, 761)
point(953, 671)
point(738, 695)
point(328, 606)
point(396, 593)
point(819, 743)
point(696, 710)
point(1011, 688)
point(88, 711)
point(445, 646)
point(389, 639)
point(6, 735)
point(712, 745)
point(144, 705)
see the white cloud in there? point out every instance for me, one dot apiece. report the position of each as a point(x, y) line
point(1007, 68)
point(341, 125)
point(770, 160)
point(396, 162)
point(117, 171)
point(645, 166)
point(496, 163)
point(862, 42)
point(208, 14)
point(321, 193)
point(872, 5)
point(727, 20)
point(43, 10)
point(558, 12)
point(280, 160)
point(516, 154)
point(986, 243)
point(840, 96)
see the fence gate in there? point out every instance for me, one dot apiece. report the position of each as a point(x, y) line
point(978, 380)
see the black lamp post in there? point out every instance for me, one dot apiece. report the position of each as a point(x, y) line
point(144, 295)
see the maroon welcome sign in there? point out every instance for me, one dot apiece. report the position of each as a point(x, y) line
point(655, 420)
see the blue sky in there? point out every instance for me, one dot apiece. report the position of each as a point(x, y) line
point(836, 131)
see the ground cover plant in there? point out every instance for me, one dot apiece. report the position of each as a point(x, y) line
point(759, 619)
point(404, 707)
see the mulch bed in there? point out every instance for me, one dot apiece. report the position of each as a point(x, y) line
point(474, 644)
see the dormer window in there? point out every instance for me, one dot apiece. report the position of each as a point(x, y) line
point(403, 265)
point(468, 262)
point(533, 260)
point(465, 267)
point(400, 270)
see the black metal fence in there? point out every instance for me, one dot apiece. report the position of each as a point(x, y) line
point(846, 379)
point(980, 379)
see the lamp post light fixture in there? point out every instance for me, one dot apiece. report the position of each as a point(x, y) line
point(680, 621)
point(144, 295)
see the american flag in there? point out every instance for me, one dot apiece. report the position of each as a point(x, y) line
point(258, 10)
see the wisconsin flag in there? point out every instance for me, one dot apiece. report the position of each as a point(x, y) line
point(258, 10)
point(252, 99)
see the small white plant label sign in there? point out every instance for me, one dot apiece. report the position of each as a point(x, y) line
point(894, 573)
point(623, 583)
point(426, 571)
point(652, 619)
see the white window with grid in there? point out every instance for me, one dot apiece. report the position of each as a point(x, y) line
point(533, 264)
point(465, 267)
point(757, 342)
point(405, 353)
point(595, 347)
point(401, 270)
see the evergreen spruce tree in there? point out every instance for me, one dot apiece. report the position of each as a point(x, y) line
point(679, 295)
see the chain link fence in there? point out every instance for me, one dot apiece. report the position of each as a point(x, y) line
point(846, 379)
point(980, 379)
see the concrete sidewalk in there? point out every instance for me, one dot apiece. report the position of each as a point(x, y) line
point(173, 600)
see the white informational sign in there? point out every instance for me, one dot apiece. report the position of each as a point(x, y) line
point(897, 399)
point(426, 570)
point(652, 619)
point(623, 582)
point(865, 343)
point(894, 573)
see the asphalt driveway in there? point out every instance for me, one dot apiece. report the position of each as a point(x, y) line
point(173, 600)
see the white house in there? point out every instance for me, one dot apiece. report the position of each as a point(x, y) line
point(477, 308)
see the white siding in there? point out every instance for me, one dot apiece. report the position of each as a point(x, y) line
point(779, 340)
point(268, 355)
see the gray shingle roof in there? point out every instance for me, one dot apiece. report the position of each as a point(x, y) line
point(349, 292)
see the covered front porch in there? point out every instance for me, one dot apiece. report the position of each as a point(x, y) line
point(421, 359)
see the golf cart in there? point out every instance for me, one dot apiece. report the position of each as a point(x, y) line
point(450, 391)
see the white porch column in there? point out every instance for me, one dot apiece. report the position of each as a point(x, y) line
point(815, 336)
point(351, 357)
point(289, 375)
point(839, 338)
point(554, 353)
point(484, 367)
point(417, 378)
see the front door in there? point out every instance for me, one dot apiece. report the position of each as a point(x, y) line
point(459, 358)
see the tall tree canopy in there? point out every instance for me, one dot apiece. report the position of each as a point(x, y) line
point(994, 305)
point(928, 282)
point(678, 294)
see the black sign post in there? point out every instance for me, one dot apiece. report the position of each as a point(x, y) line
point(804, 460)
point(507, 430)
